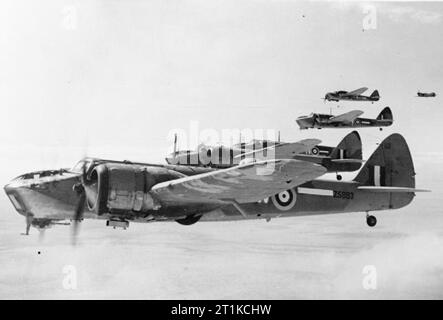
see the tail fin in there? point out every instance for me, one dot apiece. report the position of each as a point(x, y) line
point(347, 156)
point(389, 166)
point(375, 95)
point(386, 114)
point(389, 171)
point(348, 148)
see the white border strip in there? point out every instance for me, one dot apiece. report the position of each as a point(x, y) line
point(377, 176)
point(317, 192)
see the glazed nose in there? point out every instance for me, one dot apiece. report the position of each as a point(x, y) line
point(14, 197)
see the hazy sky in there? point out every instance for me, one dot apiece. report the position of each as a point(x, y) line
point(113, 78)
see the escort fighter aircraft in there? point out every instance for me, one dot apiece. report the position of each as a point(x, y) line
point(346, 120)
point(355, 95)
point(120, 192)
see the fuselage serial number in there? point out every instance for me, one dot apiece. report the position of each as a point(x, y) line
point(343, 195)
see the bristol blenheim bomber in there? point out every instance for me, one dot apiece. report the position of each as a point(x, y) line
point(426, 94)
point(345, 157)
point(121, 191)
point(355, 95)
point(349, 119)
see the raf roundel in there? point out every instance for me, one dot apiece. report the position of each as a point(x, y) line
point(285, 200)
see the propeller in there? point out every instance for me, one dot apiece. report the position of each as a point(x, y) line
point(41, 235)
point(79, 188)
point(29, 218)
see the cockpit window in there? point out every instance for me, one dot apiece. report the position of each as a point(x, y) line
point(15, 202)
point(79, 166)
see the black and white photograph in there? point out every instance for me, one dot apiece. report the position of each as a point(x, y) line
point(195, 150)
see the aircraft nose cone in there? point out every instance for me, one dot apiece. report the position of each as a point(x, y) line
point(8, 188)
point(11, 190)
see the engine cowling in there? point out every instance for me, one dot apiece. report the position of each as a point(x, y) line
point(117, 187)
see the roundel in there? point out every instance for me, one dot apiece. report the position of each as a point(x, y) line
point(315, 151)
point(285, 200)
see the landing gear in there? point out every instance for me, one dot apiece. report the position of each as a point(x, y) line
point(189, 220)
point(339, 177)
point(371, 220)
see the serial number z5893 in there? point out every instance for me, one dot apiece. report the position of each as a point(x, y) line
point(343, 194)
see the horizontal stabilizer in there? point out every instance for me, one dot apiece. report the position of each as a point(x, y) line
point(348, 160)
point(390, 189)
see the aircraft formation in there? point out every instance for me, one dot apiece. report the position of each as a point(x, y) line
point(352, 118)
point(349, 119)
point(262, 179)
point(289, 184)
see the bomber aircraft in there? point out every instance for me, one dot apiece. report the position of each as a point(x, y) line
point(347, 156)
point(355, 95)
point(426, 94)
point(346, 120)
point(121, 191)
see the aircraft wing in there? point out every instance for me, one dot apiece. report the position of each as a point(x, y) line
point(347, 117)
point(356, 92)
point(284, 150)
point(244, 183)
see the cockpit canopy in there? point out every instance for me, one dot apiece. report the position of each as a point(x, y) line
point(83, 164)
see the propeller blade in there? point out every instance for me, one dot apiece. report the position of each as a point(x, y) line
point(29, 219)
point(78, 216)
point(41, 235)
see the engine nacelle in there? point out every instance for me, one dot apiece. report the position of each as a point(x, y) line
point(125, 187)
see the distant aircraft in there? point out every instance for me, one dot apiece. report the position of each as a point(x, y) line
point(426, 94)
point(346, 120)
point(121, 191)
point(352, 95)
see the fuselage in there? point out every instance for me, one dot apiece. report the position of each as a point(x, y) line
point(52, 198)
point(342, 95)
point(320, 121)
point(426, 95)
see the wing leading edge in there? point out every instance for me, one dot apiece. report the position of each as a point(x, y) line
point(347, 117)
point(356, 92)
point(244, 183)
